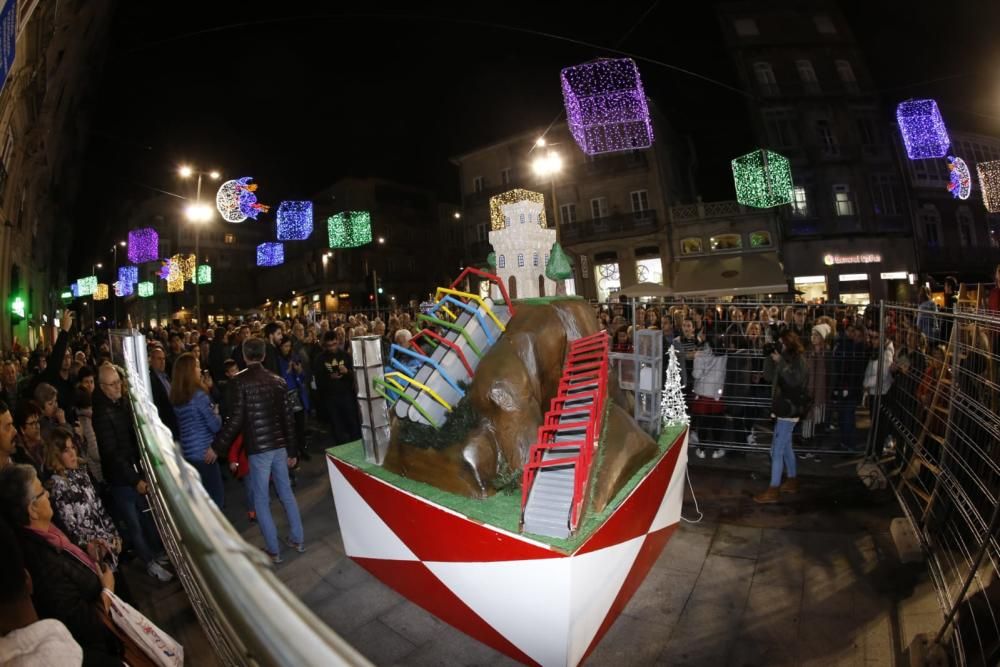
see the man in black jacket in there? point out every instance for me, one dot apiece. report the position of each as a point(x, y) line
point(334, 373)
point(272, 336)
point(159, 384)
point(849, 362)
point(261, 412)
point(119, 450)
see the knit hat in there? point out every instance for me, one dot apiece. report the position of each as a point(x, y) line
point(823, 330)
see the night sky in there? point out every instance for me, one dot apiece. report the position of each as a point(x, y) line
point(298, 96)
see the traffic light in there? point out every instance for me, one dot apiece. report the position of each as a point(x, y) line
point(17, 309)
point(371, 297)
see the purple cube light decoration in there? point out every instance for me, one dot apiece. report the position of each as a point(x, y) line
point(923, 130)
point(606, 106)
point(270, 254)
point(143, 245)
point(295, 220)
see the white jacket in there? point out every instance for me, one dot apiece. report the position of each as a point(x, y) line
point(709, 373)
point(871, 372)
point(41, 644)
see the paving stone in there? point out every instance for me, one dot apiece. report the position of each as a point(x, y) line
point(686, 549)
point(381, 645)
point(344, 573)
point(703, 635)
point(736, 541)
point(630, 641)
point(661, 597)
point(724, 581)
point(357, 606)
point(452, 647)
point(782, 567)
point(413, 622)
point(830, 640)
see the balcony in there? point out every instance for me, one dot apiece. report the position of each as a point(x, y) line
point(612, 227)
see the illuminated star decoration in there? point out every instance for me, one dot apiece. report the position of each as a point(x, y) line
point(763, 179)
point(270, 254)
point(508, 207)
point(295, 220)
point(349, 229)
point(606, 106)
point(923, 130)
point(960, 181)
point(989, 183)
point(249, 207)
point(164, 272)
point(145, 289)
point(101, 292)
point(143, 245)
point(87, 286)
point(203, 275)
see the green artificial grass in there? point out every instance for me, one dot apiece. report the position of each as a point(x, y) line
point(542, 300)
point(501, 510)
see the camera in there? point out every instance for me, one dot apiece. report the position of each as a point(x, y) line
point(770, 348)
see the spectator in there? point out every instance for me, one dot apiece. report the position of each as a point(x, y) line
point(817, 361)
point(78, 508)
point(927, 321)
point(176, 344)
point(8, 383)
point(849, 361)
point(159, 384)
point(8, 435)
point(24, 639)
point(709, 374)
point(788, 374)
point(67, 583)
point(29, 446)
point(622, 341)
point(119, 450)
point(197, 421)
point(686, 345)
point(85, 418)
point(261, 412)
point(994, 300)
point(53, 415)
point(86, 379)
point(217, 355)
point(57, 370)
point(878, 381)
point(292, 369)
point(272, 336)
point(335, 386)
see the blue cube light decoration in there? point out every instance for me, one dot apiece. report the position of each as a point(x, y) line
point(606, 106)
point(270, 254)
point(295, 220)
point(923, 130)
point(763, 179)
point(75, 289)
point(128, 275)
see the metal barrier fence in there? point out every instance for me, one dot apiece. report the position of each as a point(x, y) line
point(246, 612)
point(937, 439)
point(722, 348)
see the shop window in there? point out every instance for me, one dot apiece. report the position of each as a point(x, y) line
point(649, 270)
point(691, 246)
point(724, 242)
point(760, 239)
point(608, 280)
point(810, 289)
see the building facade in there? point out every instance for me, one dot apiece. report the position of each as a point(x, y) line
point(610, 211)
point(847, 234)
point(45, 104)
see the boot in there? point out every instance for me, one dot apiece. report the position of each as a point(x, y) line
point(790, 485)
point(769, 496)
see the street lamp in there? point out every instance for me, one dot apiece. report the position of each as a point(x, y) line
point(114, 266)
point(548, 166)
point(198, 214)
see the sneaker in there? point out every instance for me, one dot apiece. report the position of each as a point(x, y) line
point(752, 440)
point(718, 453)
point(699, 452)
point(156, 571)
point(298, 546)
point(162, 560)
point(693, 439)
point(276, 559)
point(805, 456)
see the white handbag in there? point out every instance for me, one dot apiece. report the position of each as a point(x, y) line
point(158, 646)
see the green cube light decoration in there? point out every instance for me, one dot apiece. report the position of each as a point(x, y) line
point(145, 289)
point(763, 179)
point(87, 286)
point(204, 275)
point(349, 229)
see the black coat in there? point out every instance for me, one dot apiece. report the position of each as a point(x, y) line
point(163, 405)
point(260, 410)
point(116, 441)
point(67, 590)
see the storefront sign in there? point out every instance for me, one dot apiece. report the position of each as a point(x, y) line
point(894, 275)
point(867, 258)
point(851, 277)
point(806, 280)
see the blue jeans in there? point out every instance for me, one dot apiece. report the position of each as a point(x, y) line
point(211, 479)
point(273, 465)
point(134, 509)
point(848, 413)
point(782, 455)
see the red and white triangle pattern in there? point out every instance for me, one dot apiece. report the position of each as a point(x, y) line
point(520, 596)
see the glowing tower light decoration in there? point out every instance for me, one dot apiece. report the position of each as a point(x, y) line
point(87, 286)
point(101, 292)
point(236, 200)
point(185, 264)
point(143, 245)
point(923, 130)
point(763, 179)
point(606, 106)
point(515, 207)
point(349, 229)
point(204, 275)
point(989, 183)
point(295, 220)
point(959, 179)
point(145, 289)
point(128, 275)
point(270, 254)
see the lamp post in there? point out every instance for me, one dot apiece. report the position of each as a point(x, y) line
point(549, 165)
point(114, 306)
point(93, 301)
point(197, 214)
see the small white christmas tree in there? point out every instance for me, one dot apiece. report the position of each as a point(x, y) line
point(672, 408)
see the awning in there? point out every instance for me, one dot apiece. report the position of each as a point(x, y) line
point(732, 275)
point(646, 289)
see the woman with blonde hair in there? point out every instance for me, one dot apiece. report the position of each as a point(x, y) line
point(197, 423)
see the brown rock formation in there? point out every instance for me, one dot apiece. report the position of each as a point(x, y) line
point(513, 387)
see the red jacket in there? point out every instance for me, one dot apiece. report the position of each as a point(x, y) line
point(238, 455)
point(994, 302)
